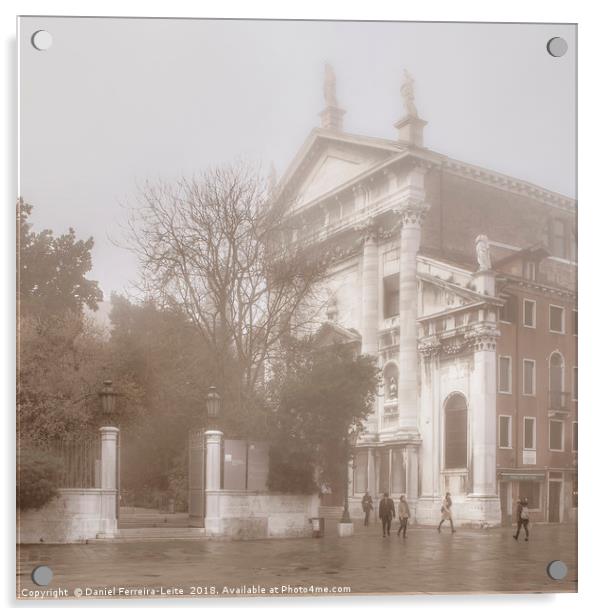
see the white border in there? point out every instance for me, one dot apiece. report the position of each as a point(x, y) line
point(585, 12)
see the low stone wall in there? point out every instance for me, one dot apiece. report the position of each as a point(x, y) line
point(72, 517)
point(259, 515)
point(477, 512)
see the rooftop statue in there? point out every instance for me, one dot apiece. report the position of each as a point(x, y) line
point(330, 86)
point(407, 94)
point(483, 256)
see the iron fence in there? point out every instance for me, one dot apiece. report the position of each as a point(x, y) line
point(80, 465)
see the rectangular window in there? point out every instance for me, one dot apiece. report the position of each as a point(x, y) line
point(505, 375)
point(575, 323)
point(575, 490)
point(531, 491)
point(530, 270)
point(575, 443)
point(529, 433)
point(557, 319)
point(508, 310)
point(505, 432)
point(556, 435)
point(575, 383)
point(559, 239)
point(528, 377)
point(529, 313)
point(391, 296)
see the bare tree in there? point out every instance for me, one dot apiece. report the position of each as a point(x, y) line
point(222, 249)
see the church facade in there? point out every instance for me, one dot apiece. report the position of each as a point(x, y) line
point(462, 283)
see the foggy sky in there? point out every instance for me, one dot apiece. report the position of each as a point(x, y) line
point(114, 102)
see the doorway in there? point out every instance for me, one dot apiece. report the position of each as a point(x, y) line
point(554, 500)
point(506, 502)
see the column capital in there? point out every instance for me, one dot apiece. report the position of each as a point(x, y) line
point(482, 337)
point(429, 347)
point(412, 212)
point(367, 230)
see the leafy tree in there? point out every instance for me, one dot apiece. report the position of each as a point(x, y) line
point(62, 363)
point(37, 477)
point(63, 356)
point(52, 270)
point(324, 397)
point(162, 352)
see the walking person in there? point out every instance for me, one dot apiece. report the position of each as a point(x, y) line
point(367, 506)
point(404, 515)
point(386, 512)
point(446, 513)
point(522, 518)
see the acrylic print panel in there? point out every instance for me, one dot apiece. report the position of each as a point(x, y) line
point(307, 283)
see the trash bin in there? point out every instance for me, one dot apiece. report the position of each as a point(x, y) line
point(317, 527)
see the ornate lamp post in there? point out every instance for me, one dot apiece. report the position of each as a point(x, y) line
point(213, 402)
point(350, 446)
point(108, 397)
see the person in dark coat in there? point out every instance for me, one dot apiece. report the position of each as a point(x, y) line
point(522, 518)
point(386, 512)
point(404, 515)
point(367, 506)
point(446, 513)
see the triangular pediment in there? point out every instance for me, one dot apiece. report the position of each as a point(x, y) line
point(439, 296)
point(331, 333)
point(328, 161)
point(333, 168)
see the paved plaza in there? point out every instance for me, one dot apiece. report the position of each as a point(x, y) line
point(470, 561)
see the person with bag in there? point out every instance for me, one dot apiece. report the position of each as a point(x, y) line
point(522, 518)
point(404, 515)
point(386, 512)
point(367, 507)
point(446, 513)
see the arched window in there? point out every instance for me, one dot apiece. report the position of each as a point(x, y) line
point(456, 432)
point(556, 372)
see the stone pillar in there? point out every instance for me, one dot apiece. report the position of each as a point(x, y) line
point(213, 476)
point(196, 477)
point(413, 213)
point(411, 464)
point(370, 484)
point(108, 479)
point(483, 411)
point(370, 295)
point(485, 509)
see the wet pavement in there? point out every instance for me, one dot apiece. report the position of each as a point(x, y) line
point(470, 561)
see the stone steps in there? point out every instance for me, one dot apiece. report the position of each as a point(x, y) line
point(150, 534)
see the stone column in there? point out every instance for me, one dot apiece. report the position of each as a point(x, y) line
point(412, 213)
point(370, 484)
point(213, 475)
point(108, 479)
point(370, 295)
point(411, 464)
point(483, 410)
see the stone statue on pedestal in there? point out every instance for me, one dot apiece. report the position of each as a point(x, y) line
point(392, 388)
point(407, 94)
point(330, 86)
point(483, 256)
